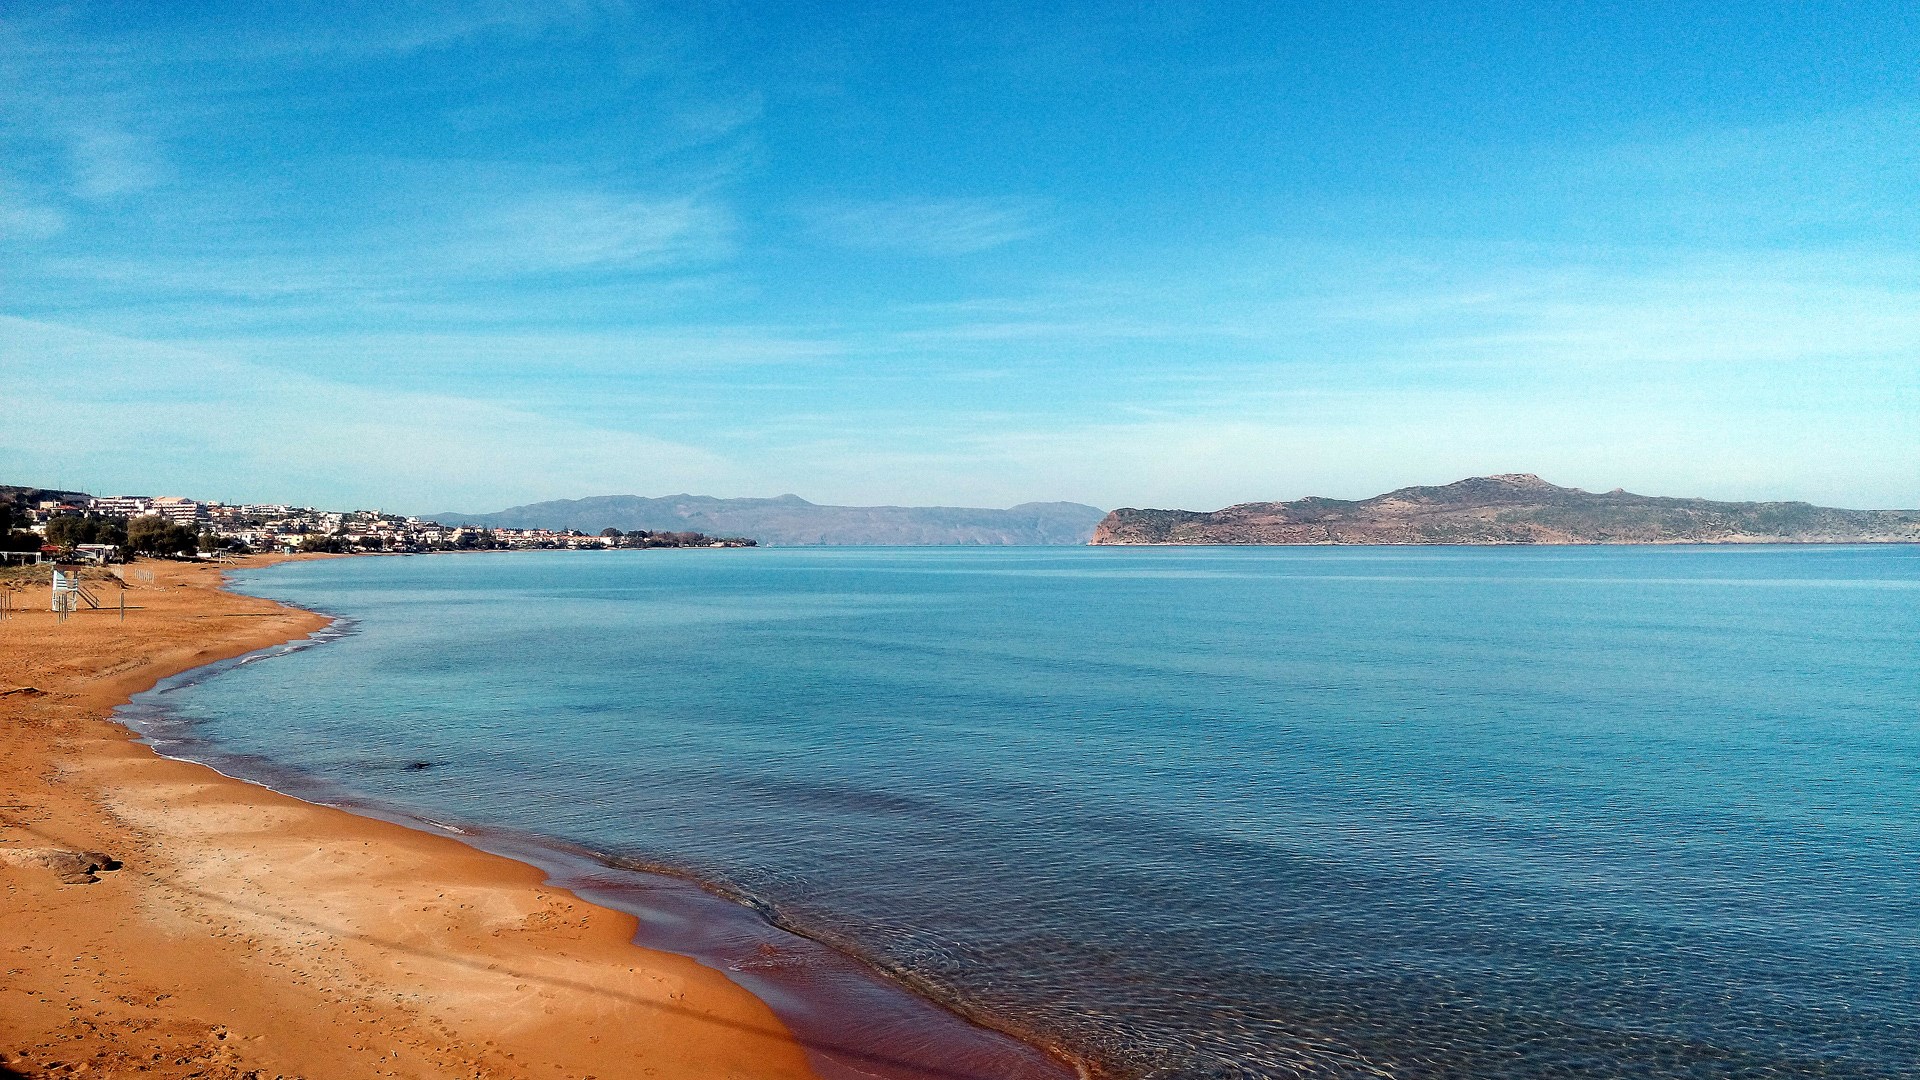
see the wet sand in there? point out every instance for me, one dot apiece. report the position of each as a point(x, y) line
point(249, 934)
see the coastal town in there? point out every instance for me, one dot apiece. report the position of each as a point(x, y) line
point(40, 524)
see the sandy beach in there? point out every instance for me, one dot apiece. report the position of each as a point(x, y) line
point(248, 934)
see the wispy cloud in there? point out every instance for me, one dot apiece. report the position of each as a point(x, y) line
point(244, 431)
point(431, 357)
point(357, 31)
point(72, 121)
point(925, 226)
point(572, 230)
point(99, 131)
point(110, 160)
point(25, 219)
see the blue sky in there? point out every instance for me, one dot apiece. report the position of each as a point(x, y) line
point(464, 256)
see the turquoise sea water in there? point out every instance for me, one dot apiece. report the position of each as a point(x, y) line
point(1198, 812)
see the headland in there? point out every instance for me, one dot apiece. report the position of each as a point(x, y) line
point(1512, 508)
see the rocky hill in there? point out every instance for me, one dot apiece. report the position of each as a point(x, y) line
point(24, 497)
point(1511, 509)
point(790, 520)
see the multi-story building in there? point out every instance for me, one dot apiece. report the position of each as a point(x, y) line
point(178, 510)
point(126, 506)
point(181, 511)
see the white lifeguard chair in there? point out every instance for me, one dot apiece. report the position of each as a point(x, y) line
point(69, 594)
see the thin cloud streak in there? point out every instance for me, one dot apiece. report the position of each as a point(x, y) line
point(250, 433)
point(577, 230)
point(925, 227)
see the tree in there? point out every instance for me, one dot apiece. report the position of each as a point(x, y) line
point(154, 535)
point(611, 534)
point(215, 542)
point(144, 534)
point(66, 530)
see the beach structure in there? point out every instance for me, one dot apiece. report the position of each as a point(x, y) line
point(69, 593)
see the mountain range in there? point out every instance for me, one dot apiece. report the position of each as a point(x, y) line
point(793, 521)
point(1513, 508)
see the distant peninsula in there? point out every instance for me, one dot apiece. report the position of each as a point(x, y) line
point(1512, 508)
point(790, 520)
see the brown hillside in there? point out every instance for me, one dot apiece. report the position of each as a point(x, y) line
point(1512, 508)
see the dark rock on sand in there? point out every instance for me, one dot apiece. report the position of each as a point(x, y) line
point(71, 867)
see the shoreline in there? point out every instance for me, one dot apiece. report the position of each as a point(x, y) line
point(249, 933)
point(802, 994)
point(858, 1018)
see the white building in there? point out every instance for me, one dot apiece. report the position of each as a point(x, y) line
point(178, 510)
point(126, 506)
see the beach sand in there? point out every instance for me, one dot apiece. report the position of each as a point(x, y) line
point(250, 934)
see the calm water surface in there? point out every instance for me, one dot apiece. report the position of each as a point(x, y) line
point(1203, 812)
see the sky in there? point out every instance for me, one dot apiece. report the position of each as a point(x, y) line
point(463, 256)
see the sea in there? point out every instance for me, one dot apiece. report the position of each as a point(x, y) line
point(1168, 812)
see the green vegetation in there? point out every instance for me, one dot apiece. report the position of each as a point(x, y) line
point(152, 535)
point(33, 580)
point(67, 530)
point(333, 545)
point(19, 579)
point(12, 539)
point(645, 539)
point(213, 542)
